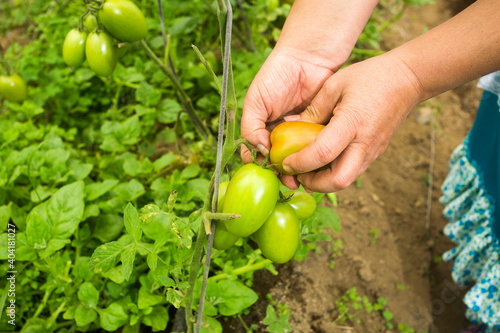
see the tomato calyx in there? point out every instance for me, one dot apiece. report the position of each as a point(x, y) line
point(284, 198)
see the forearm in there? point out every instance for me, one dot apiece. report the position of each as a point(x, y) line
point(325, 29)
point(457, 51)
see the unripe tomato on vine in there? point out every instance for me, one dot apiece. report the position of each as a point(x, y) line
point(13, 88)
point(101, 52)
point(74, 48)
point(124, 20)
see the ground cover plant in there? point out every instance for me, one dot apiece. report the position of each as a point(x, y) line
point(107, 163)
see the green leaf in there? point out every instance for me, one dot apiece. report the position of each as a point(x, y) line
point(106, 257)
point(5, 216)
point(53, 246)
point(146, 299)
point(95, 190)
point(326, 217)
point(270, 315)
point(191, 171)
point(166, 281)
point(163, 161)
point(88, 295)
point(152, 259)
point(157, 319)
point(236, 296)
point(210, 325)
point(183, 25)
point(84, 315)
point(132, 222)
point(38, 227)
point(127, 259)
point(147, 94)
point(168, 111)
point(108, 227)
point(113, 317)
point(65, 210)
point(130, 191)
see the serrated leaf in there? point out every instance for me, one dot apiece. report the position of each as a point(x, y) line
point(132, 222)
point(127, 259)
point(152, 259)
point(106, 257)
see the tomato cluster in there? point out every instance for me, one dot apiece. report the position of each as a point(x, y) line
point(13, 88)
point(112, 22)
point(273, 223)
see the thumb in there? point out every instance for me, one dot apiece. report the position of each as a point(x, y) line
point(320, 110)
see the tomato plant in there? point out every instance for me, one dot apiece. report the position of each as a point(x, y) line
point(289, 138)
point(13, 88)
point(279, 236)
point(101, 52)
point(302, 203)
point(74, 48)
point(251, 193)
point(124, 20)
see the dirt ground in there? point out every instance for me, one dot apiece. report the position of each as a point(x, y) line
point(387, 249)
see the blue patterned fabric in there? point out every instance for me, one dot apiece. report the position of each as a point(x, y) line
point(470, 194)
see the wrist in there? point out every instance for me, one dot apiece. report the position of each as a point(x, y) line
point(324, 32)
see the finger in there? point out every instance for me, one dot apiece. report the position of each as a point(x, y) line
point(253, 122)
point(342, 173)
point(246, 155)
point(290, 181)
point(329, 143)
point(321, 108)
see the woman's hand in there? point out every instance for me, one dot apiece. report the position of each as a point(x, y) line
point(363, 105)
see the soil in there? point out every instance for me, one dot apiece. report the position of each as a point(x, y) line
point(387, 249)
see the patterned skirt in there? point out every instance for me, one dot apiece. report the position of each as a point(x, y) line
point(471, 200)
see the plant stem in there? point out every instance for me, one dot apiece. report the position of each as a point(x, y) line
point(251, 45)
point(225, 30)
point(242, 270)
point(44, 302)
point(186, 101)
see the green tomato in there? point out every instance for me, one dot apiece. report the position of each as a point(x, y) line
point(252, 193)
point(302, 203)
point(124, 20)
point(101, 52)
point(90, 22)
point(74, 48)
point(279, 236)
point(223, 239)
point(13, 88)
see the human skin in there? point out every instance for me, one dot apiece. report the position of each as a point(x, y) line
point(364, 104)
point(299, 64)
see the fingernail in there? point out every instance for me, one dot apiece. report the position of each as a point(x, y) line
point(263, 150)
point(288, 168)
point(294, 117)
